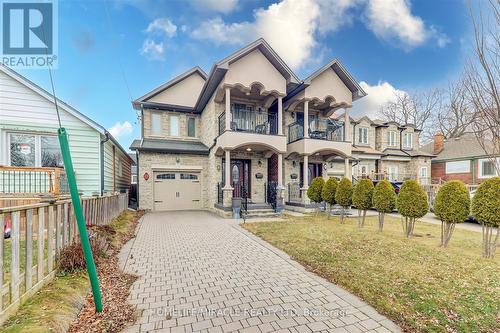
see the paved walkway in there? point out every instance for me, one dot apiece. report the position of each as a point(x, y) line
point(201, 273)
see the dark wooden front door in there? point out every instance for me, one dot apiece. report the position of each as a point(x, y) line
point(240, 177)
point(314, 169)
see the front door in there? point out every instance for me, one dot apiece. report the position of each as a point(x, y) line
point(240, 177)
point(314, 170)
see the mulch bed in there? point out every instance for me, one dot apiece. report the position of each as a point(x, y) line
point(115, 289)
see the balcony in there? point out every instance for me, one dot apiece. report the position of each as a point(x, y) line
point(250, 129)
point(325, 136)
point(27, 180)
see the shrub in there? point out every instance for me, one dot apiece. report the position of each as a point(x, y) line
point(384, 200)
point(72, 258)
point(486, 209)
point(362, 198)
point(412, 204)
point(343, 196)
point(315, 190)
point(328, 193)
point(451, 206)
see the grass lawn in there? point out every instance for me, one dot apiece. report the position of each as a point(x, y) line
point(414, 282)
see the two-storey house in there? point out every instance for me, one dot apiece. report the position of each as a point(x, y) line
point(250, 128)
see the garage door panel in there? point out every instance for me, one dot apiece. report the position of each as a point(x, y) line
point(177, 191)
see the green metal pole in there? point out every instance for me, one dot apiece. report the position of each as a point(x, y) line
point(75, 198)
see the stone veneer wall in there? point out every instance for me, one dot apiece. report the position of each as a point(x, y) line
point(146, 159)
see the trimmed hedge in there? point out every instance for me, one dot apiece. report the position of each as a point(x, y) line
point(384, 197)
point(328, 193)
point(452, 204)
point(486, 202)
point(412, 200)
point(343, 195)
point(362, 194)
point(315, 190)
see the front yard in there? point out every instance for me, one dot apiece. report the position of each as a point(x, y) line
point(419, 285)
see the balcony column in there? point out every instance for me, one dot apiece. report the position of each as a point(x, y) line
point(347, 169)
point(306, 119)
point(280, 188)
point(227, 189)
point(228, 109)
point(305, 178)
point(280, 117)
point(347, 126)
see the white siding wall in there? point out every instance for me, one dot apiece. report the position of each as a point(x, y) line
point(123, 181)
point(22, 109)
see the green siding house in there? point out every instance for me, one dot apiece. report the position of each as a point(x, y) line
point(30, 158)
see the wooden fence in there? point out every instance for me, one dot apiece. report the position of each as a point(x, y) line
point(28, 259)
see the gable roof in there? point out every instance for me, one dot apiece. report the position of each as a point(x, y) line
point(465, 147)
point(220, 68)
point(61, 104)
point(142, 100)
point(343, 74)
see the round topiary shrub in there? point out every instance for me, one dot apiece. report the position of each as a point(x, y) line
point(384, 201)
point(451, 206)
point(412, 204)
point(362, 198)
point(328, 193)
point(343, 196)
point(315, 190)
point(486, 209)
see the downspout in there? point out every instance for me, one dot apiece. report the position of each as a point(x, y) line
point(473, 160)
point(106, 138)
point(137, 183)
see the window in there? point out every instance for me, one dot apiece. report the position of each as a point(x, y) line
point(166, 176)
point(458, 167)
point(155, 123)
point(408, 140)
point(134, 179)
point(30, 150)
point(191, 127)
point(174, 125)
point(363, 135)
point(22, 150)
point(487, 168)
point(391, 138)
point(424, 177)
point(392, 173)
point(189, 176)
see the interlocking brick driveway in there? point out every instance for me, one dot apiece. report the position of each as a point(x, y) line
point(201, 273)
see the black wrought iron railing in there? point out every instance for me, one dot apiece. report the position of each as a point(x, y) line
point(260, 122)
point(321, 129)
point(220, 194)
point(272, 193)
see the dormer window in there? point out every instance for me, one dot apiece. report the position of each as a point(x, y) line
point(408, 140)
point(363, 135)
point(391, 138)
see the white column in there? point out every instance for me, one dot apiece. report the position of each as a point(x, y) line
point(347, 169)
point(306, 119)
point(305, 172)
point(280, 171)
point(280, 116)
point(228, 109)
point(347, 126)
point(228, 186)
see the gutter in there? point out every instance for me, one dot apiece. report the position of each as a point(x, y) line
point(101, 148)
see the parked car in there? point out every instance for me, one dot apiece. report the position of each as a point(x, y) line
point(395, 185)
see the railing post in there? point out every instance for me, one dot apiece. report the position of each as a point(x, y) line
point(57, 181)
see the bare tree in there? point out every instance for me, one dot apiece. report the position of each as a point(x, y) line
point(455, 116)
point(482, 77)
point(415, 108)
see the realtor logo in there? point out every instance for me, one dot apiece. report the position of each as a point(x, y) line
point(29, 33)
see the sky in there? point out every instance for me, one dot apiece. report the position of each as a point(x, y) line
point(114, 51)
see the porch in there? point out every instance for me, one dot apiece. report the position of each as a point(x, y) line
point(32, 181)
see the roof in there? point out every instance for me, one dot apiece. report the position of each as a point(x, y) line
point(395, 152)
point(141, 100)
point(170, 146)
point(466, 146)
point(61, 104)
point(343, 74)
point(220, 68)
point(366, 150)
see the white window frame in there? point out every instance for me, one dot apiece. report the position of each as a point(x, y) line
point(408, 140)
point(392, 140)
point(390, 172)
point(480, 167)
point(155, 130)
point(363, 134)
point(454, 167)
point(174, 131)
point(38, 146)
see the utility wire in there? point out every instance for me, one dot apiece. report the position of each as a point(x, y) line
point(52, 81)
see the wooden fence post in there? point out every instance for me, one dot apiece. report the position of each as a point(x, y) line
point(28, 269)
point(50, 240)
point(14, 253)
point(40, 242)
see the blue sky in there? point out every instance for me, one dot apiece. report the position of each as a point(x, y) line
point(388, 45)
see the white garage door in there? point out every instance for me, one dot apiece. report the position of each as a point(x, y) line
point(177, 190)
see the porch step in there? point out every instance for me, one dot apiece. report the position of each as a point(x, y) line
point(261, 213)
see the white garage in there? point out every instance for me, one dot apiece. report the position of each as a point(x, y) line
point(177, 190)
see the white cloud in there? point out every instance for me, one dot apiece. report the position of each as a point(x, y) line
point(219, 32)
point(377, 95)
point(162, 26)
point(121, 129)
point(392, 20)
point(152, 50)
point(335, 14)
point(222, 6)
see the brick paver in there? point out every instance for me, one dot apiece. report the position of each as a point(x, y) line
point(200, 273)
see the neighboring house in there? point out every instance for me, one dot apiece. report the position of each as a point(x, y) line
point(460, 158)
point(133, 169)
point(30, 157)
point(251, 128)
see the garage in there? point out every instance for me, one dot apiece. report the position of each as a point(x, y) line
point(175, 190)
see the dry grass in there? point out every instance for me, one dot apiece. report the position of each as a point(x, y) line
point(422, 287)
